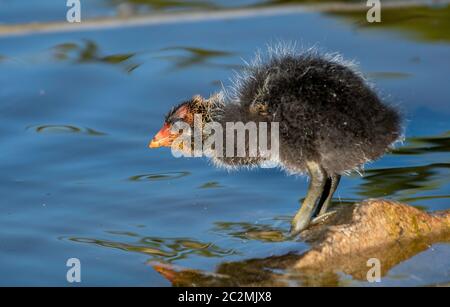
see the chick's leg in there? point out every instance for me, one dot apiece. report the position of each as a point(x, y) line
point(333, 182)
point(303, 217)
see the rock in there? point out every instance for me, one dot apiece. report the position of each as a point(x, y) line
point(386, 230)
point(342, 243)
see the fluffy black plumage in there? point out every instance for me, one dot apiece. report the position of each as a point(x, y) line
point(327, 112)
point(330, 120)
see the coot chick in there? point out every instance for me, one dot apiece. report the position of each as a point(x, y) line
point(331, 121)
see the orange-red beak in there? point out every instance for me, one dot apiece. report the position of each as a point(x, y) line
point(163, 138)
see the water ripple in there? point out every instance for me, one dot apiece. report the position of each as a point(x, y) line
point(276, 231)
point(159, 176)
point(167, 249)
point(65, 129)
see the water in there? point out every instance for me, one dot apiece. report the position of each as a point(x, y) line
point(77, 110)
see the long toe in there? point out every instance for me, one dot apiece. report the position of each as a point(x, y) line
point(298, 226)
point(322, 217)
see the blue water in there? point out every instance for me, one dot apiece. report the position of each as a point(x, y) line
point(77, 178)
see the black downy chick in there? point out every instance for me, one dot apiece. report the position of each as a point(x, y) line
point(331, 121)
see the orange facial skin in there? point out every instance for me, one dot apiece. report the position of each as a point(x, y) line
point(163, 138)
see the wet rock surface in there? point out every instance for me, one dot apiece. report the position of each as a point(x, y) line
point(341, 243)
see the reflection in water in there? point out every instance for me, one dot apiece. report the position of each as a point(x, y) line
point(159, 176)
point(182, 57)
point(423, 145)
point(162, 249)
point(65, 129)
point(254, 272)
point(88, 52)
point(277, 231)
point(424, 23)
point(389, 232)
point(388, 75)
point(404, 181)
point(280, 270)
point(168, 4)
point(194, 56)
point(408, 182)
point(210, 185)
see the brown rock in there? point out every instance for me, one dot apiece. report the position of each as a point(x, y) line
point(389, 231)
